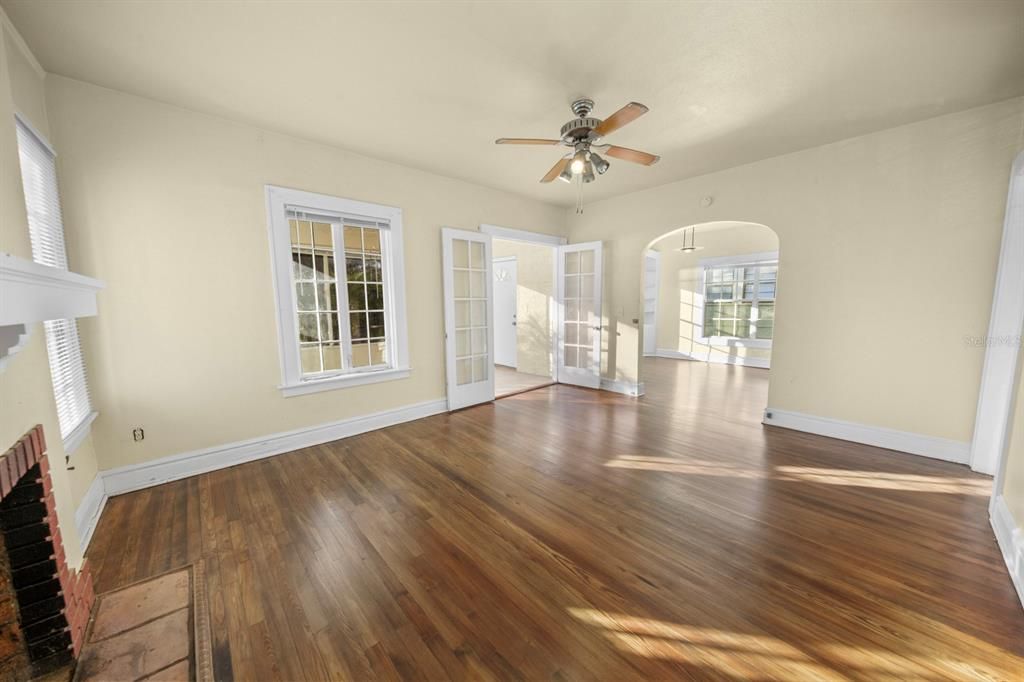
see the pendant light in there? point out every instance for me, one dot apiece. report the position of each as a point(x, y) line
point(692, 246)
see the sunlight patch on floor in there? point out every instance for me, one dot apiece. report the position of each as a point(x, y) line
point(883, 480)
point(740, 655)
point(757, 657)
point(682, 466)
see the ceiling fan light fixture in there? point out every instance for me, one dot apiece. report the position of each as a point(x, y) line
point(579, 162)
point(580, 135)
point(588, 172)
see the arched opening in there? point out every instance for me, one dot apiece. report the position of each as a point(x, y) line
point(1001, 375)
point(709, 308)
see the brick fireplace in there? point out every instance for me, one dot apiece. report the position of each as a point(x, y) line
point(44, 605)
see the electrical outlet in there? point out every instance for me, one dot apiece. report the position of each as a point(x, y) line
point(138, 434)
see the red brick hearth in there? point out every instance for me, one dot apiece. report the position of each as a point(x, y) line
point(44, 605)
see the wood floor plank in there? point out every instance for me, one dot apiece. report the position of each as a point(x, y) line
point(572, 534)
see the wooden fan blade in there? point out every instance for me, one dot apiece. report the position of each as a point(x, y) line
point(525, 140)
point(631, 155)
point(556, 170)
point(626, 114)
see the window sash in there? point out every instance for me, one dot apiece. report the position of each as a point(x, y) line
point(366, 311)
point(735, 279)
point(46, 234)
point(339, 221)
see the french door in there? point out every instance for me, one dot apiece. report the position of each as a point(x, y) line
point(579, 314)
point(468, 317)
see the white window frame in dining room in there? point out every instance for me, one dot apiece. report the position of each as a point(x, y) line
point(279, 201)
point(747, 260)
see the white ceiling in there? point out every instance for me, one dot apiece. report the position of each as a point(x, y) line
point(430, 85)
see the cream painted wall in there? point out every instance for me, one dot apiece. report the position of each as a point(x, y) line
point(1013, 478)
point(680, 284)
point(535, 288)
point(167, 206)
point(914, 209)
point(26, 391)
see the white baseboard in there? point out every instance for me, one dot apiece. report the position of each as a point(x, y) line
point(630, 388)
point(903, 441)
point(1010, 538)
point(137, 476)
point(763, 363)
point(89, 509)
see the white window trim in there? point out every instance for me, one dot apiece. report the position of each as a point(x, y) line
point(79, 433)
point(735, 261)
point(292, 383)
point(77, 436)
point(23, 120)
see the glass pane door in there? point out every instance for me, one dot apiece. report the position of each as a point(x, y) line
point(579, 325)
point(468, 317)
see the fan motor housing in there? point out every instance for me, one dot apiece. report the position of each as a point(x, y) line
point(579, 128)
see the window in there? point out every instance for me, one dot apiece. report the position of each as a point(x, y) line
point(739, 299)
point(340, 291)
point(46, 233)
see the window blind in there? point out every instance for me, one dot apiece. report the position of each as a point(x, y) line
point(67, 370)
point(46, 234)
point(42, 201)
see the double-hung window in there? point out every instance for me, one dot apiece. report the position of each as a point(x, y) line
point(739, 299)
point(46, 234)
point(338, 274)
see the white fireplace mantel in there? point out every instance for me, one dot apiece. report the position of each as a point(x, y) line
point(31, 293)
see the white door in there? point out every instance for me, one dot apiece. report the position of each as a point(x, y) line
point(505, 287)
point(468, 317)
point(651, 276)
point(579, 314)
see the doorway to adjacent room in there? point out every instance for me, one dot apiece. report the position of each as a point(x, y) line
point(524, 308)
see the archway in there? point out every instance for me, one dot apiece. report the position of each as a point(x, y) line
point(1002, 352)
point(712, 299)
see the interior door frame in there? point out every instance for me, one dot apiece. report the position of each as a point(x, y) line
point(593, 378)
point(483, 391)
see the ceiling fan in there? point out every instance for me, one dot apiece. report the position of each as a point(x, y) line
point(582, 134)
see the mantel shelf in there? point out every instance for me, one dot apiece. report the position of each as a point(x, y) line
point(31, 293)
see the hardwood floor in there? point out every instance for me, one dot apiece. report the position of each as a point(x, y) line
point(574, 534)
